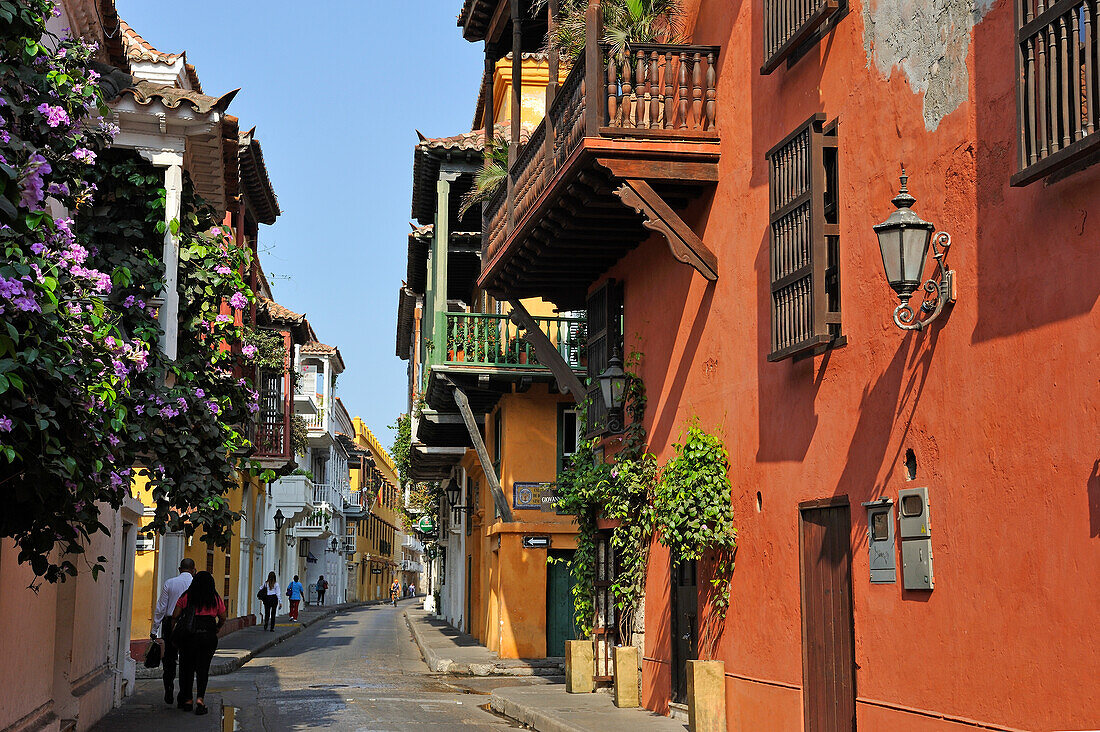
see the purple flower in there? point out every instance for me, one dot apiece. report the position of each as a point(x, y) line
point(222, 269)
point(200, 393)
point(55, 116)
point(249, 351)
point(183, 404)
point(84, 154)
point(38, 247)
point(113, 440)
point(615, 472)
point(169, 412)
point(121, 369)
point(213, 407)
point(139, 408)
point(238, 301)
point(5, 424)
point(222, 319)
point(128, 302)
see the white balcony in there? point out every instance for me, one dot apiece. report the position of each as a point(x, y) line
point(306, 405)
point(318, 524)
point(412, 543)
point(407, 565)
point(293, 495)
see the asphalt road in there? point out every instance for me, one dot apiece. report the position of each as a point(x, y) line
point(359, 670)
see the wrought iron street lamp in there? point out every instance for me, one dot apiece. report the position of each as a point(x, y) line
point(613, 389)
point(903, 240)
point(333, 545)
point(454, 493)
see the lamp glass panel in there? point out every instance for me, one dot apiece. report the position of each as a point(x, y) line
point(889, 242)
point(914, 245)
point(618, 388)
point(605, 390)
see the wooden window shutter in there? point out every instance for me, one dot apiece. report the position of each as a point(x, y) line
point(1058, 85)
point(789, 24)
point(804, 252)
point(603, 312)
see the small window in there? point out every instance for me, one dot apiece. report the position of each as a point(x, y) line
point(880, 526)
point(805, 240)
point(791, 27)
point(605, 334)
point(569, 434)
point(911, 505)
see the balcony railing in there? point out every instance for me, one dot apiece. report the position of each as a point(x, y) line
point(486, 339)
point(652, 92)
point(318, 422)
point(1058, 95)
point(318, 521)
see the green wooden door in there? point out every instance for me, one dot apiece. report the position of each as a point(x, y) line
point(559, 603)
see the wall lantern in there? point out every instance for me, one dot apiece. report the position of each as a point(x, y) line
point(333, 545)
point(279, 519)
point(613, 388)
point(903, 239)
point(453, 491)
point(291, 540)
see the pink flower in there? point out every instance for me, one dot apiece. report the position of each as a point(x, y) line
point(238, 301)
point(5, 424)
point(83, 153)
point(249, 351)
point(222, 270)
point(55, 116)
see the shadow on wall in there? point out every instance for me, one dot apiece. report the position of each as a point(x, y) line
point(1043, 272)
point(1094, 500)
point(656, 662)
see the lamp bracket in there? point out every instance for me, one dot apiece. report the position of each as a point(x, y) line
point(939, 293)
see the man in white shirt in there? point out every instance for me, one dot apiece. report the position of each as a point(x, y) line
point(162, 621)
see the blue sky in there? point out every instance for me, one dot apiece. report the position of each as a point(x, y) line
point(335, 90)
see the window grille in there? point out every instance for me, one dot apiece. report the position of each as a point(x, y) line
point(805, 240)
point(1058, 85)
point(789, 24)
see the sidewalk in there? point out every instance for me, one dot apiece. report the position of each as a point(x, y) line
point(448, 651)
point(238, 648)
point(549, 709)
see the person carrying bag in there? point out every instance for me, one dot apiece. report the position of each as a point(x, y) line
point(270, 597)
point(199, 615)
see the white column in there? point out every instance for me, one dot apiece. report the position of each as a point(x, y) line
point(172, 162)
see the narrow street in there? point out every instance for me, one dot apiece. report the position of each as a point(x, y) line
point(358, 670)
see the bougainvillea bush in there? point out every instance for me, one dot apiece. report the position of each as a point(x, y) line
point(86, 400)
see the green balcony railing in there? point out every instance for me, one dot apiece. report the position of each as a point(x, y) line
point(485, 339)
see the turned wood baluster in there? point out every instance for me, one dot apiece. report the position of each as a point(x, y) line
point(654, 92)
point(683, 98)
point(697, 91)
point(712, 93)
point(670, 98)
point(627, 92)
point(612, 92)
point(1090, 60)
point(640, 89)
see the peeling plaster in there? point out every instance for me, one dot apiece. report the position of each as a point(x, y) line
point(928, 40)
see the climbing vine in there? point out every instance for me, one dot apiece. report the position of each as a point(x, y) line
point(694, 509)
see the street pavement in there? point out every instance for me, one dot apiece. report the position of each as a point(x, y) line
point(356, 670)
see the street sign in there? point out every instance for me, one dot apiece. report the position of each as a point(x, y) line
point(376, 570)
point(426, 525)
point(534, 496)
point(536, 542)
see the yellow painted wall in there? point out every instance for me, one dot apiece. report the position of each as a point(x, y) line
point(368, 549)
point(536, 75)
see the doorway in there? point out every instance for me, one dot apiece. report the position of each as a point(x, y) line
point(559, 602)
point(828, 635)
point(685, 624)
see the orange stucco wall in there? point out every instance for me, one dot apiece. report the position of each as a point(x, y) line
point(999, 400)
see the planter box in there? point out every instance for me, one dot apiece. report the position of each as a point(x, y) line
point(580, 668)
point(706, 696)
point(625, 661)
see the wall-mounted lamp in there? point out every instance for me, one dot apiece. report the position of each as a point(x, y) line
point(291, 540)
point(903, 239)
point(613, 389)
point(454, 494)
point(279, 519)
point(334, 544)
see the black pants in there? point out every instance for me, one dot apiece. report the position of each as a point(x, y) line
point(170, 654)
point(270, 603)
point(195, 657)
point(320, 597)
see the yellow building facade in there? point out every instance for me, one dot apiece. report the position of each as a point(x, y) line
point(377, 536)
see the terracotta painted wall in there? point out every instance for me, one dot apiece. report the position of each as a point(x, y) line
point(999, 401)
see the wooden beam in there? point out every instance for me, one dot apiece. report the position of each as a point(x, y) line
point(684, 244)
point(665, 171)
point(547, 353)
point(482, 454)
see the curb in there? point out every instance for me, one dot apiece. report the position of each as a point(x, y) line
point(537, 719)
point(222, 666)
point(438, 664)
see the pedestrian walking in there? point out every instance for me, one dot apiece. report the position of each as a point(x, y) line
point(199, 615)
point(162, 623)
point(322, 585)
point(269, 595)
point(295, 591)
point(395, 592)
point(412, 590)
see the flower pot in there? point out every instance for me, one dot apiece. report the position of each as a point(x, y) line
point(580, 667)
point(625, 661)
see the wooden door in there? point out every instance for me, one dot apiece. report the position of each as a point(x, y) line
point(685, 625)
point(559, 603)
point(828, 644)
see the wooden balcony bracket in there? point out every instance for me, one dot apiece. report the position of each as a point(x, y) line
point(658, 216)
point(482, 454)
point(546, 352)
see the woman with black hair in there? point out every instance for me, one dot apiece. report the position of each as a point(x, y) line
point(199, 615)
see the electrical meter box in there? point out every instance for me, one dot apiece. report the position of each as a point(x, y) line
point(880, 541)
point(915, 529)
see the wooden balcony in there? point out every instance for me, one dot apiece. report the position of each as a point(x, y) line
point(626, 143)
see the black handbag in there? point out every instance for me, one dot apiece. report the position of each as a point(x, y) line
point(152, 655)
point(184, 627)
point(262, 594)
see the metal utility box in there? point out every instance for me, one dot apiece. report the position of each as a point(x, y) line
point(916, 544)
point(881, 551)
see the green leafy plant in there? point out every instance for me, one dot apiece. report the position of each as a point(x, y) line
point(490, 177)
point(299, 435)
point(269, 348)
point(624, 22)
point(303, 472)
